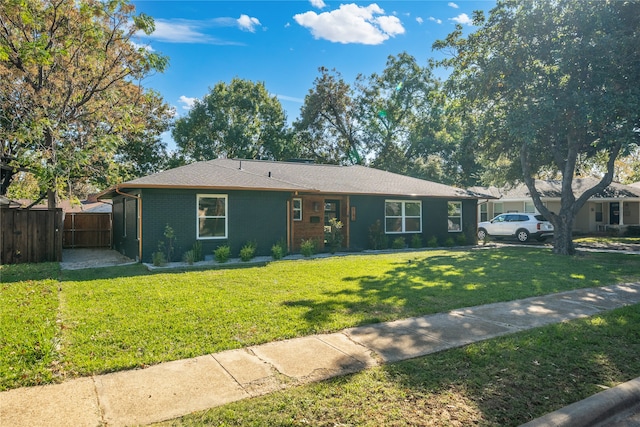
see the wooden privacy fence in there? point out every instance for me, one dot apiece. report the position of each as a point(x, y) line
point(87, 230)
point(30, 235)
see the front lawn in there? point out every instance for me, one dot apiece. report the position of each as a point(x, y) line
point(74, 323)
point(502, 382)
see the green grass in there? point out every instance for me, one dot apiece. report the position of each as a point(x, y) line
point(501, 382)
point(607, 240)
point(102, 320)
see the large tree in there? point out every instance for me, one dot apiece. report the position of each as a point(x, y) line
point(398, 115)
point(240, 119)
point(556, 82)
point(68, 87)
point(327, 129)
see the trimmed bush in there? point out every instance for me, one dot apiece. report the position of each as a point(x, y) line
point(248, 251)
point(189, 257)
point(416, 241)
point(158, 259)
point(222, 253)
point(277, 251)
point(398, 243)
point(307, 247)
point(461, 239)
point(449, 242)
point(432, 242)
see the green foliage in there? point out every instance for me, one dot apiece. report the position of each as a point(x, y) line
point(398, 243)
point(333, 237)
point(222, 253)
point(158, 259)
point(197, 251)
point(307, 247)
point(189, 257)
point(449, 242)
point(248, 251)
point(416, 241)
point(545, 96)
point(377, 237)
point(236, 120)
point(432, 242)
point(77, 75)
point(278, 251)
point(461, 239)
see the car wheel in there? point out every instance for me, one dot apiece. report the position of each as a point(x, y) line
point(482, 234)
point(522, 235)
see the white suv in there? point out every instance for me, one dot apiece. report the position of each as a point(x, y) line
point(521, 225)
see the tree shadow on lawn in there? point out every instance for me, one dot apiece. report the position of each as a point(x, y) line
point(428, 284)
point(514, 379)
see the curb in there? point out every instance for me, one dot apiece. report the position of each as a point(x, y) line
point(601, 409)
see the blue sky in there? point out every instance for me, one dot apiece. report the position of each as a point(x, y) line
point(283, 43)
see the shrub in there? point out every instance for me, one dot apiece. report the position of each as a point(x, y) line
point(277, 251)
point(633, 231)
point(398, 243)
point(307, 247)
point(416, 241)
point(197, 251)
point(248, 251)
point(461, 239)
point(432, 242)
point(449, 242)
point(334, 236)
point(222, 253)
point(377, 238)
point(189, 257)
point(158, 259)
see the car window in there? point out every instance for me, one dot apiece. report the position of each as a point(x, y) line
point(524, 217)
point(540, 218)
point(499, 218)
point(512, 218)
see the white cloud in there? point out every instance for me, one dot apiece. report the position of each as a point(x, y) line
point(419, 20)
point(289, 98)
point(248, 23)
point(437, 21)
point(187, 103)
point(352, 24)
point(146, 47)
point(179, 31)
point(318, 4)
point(462, 19)
point(453, 5)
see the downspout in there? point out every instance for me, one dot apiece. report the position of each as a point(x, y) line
point(139, 199)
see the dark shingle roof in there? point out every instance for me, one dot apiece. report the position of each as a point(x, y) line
point(292, 176)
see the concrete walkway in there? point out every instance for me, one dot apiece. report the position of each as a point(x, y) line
point(172, 389)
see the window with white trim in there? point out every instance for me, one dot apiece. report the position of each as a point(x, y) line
point(297, 209)
point(402, 216)
point(212, 216)
point(454, 219)
point(529, 207)
point(498, 208)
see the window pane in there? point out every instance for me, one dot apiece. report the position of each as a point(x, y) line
point(212, 227)
point(454, 224)
point(297, 203)
point(412, 224)
point(412, 209)
point(393, 208)
point(211, 206)
point(394, 225)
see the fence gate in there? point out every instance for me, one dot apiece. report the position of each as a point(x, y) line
point(87, 230)
point(28, 235)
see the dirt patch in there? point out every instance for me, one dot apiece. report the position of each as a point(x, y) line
point(76, 259)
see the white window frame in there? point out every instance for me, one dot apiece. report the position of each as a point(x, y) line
point(226, 216)
point(529, 204)
point(497, 211)
point(449, 229)
point(297, 210)
point(403, 216)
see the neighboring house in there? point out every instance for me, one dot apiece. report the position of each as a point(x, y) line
point(616, 207)
point(91, 204)
point(232, 202)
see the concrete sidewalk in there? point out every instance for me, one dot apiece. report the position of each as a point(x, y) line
point(177, 388)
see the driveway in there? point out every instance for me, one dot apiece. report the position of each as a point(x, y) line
point(76, 259)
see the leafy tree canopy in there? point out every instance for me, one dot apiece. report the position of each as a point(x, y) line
point(240, 120)
point(68, 93)
point(555, 83)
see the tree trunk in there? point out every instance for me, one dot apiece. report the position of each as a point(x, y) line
point(52, 199)
point(563, 234)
